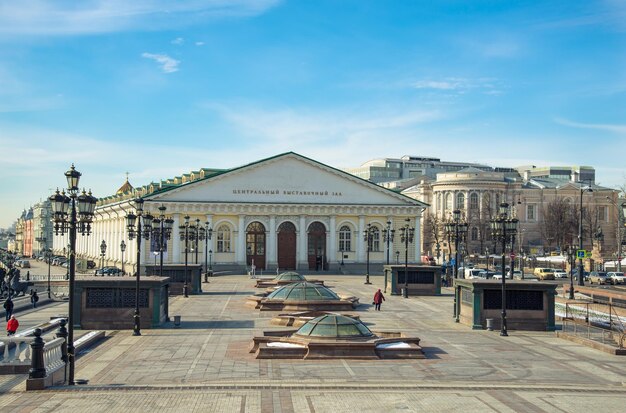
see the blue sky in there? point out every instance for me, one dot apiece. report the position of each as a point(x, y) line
point(158, 88)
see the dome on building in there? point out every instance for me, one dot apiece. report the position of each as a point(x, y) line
point(303, 291)
point(126, 187)
point(289, 276)
point(334, 326)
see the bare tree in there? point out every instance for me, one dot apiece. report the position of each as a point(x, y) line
point(559, 222)
point(433, 231)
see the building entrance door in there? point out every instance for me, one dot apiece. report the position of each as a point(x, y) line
point(316, 247)
point(287, 246)
point(255, 245)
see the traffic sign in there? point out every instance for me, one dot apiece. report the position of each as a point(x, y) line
point(512, 255)
point(581, 253)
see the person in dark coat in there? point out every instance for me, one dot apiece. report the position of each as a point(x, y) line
point(378, 299)
point(8, 306)
point(34, 298)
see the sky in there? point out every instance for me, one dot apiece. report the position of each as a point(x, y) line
point(158, 88)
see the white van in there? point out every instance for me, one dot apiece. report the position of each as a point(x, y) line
point(470, 273)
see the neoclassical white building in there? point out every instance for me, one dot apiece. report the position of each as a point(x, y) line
point(286, 212)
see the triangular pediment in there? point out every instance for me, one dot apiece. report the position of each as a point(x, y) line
point(288, 178)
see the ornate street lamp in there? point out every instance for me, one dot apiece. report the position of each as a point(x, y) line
point(161, 233)
point(581, 277)
point(457, 231)
point(189, 233)
point(388, 234)
point(123, 248)
point(407, 232)
point(138, 226)
point(504, 229)
point(103, 250)
point(368, 237)
point(207, 235)
point(48, 256)
point(72, 214)
point(571, 256)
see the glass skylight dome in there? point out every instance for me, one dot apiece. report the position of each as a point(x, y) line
point(334, 326)
point(290, 276)
point(303, 291)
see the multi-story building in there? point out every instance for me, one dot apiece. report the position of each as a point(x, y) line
point(408, 167)
point(28, 233)
point(42, 224)
point(19, 234)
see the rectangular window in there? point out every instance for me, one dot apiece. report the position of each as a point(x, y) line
point(530, 213)
point(602, 213)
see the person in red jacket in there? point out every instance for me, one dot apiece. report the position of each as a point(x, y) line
point(12, 326)
point(378, 299)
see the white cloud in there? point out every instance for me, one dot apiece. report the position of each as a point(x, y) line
point(199, 43)
point(459, 85)
point(619, 129)
point(178, 41)
point(68, 17)
point(168, 65)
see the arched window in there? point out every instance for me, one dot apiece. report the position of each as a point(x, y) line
point(460, 200)
point(375, 245)
point(448, 202)
point(473, 201)
point(345, 238)
point(474, 234)
point(439, 204)
point(223, 238)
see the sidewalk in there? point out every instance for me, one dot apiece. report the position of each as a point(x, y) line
point(205, 365)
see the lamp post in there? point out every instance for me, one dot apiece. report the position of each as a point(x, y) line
point(161, 233)
point(67, 254)
point(103, 250)
point(72, 214)
point(122, 248)
point(398, 257)
point(388, 234)
point(457, 230)
point(188, 234)
point(406, 237)
point(504, 229)
point(581, 278)
point(140, 230)
point(618, 233)
point(49, 259)
point(571, 254)
point(368, 237)
point(208, 234)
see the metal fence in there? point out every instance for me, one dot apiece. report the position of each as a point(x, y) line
point(595, 321)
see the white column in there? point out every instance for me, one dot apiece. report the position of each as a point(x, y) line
point(209, 219)
point(417, 239)
point(332, 242)
point(272, 256)
point(241, 241)
point(360, 244)
point(303, 261)
point(175, 256)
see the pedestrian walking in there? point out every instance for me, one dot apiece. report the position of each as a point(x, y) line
point(378, 299)
point(12, 326)
point(8, 307)
point(34, 298)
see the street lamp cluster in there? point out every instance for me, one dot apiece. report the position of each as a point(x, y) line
point(388, 234)
point(103, 250)
point(456, 230)
point(72, 214)
point(407, 232)
point(161, 233)
point(504, 229)
point(134, 227)
point(192, 233)
point(368, 237)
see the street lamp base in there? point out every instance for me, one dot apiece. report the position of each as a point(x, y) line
point(504, 334)
point(186, 291)
point(405, 292)
point(367, 279)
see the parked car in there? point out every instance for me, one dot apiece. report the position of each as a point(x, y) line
point(91, 265)
point(616, 278)
point(560, 274)
point(486, 274)
point(597, 277)
point(518, 275)
point(497, 276)
point(108, 271)
point(544, 273)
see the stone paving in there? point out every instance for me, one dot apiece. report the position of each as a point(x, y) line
point(205, 366)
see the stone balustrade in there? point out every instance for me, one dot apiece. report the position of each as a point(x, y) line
point(53, 355)
point(15, 354)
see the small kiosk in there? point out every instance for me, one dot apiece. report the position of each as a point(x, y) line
point(176, 274)
point(422, 279)
point(529, 304)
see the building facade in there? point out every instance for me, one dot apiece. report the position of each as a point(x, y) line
point(42, 227)
point(284, 212)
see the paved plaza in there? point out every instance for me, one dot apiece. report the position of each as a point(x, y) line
point(205, 366)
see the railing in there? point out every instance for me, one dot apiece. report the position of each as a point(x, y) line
point(53, 355)
point(15, 351)
point(598, 322)
point(53, 277)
